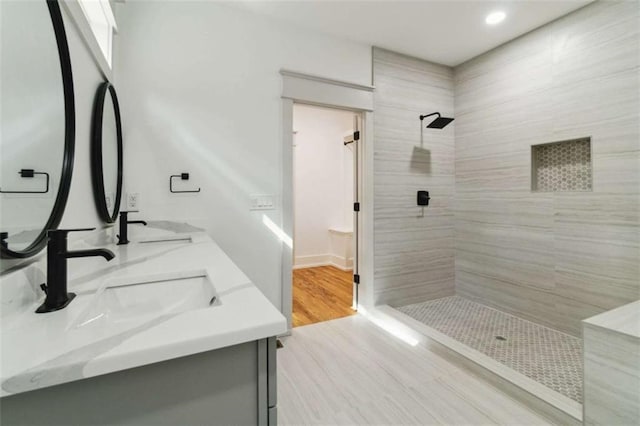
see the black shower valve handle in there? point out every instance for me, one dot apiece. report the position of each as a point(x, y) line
point(423, 198)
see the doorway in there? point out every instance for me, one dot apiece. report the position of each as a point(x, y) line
point(325, 193)
point(300, 88)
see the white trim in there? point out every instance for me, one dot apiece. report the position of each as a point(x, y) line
point(365, 234)
point(341, 262)
point(319, 79)
point(301, 262)
point(74, 11)
point(286, 208)
point(108, 13)
point(329, 259)
point(314, 90)
point(341, 231)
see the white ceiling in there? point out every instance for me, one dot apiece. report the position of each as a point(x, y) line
point(446, 32)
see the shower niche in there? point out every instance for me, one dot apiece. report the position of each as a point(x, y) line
point(563, 166)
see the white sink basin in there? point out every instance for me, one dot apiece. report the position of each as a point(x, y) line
point(178, 239)
point(136, 299)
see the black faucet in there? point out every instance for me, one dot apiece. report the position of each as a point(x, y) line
point(57, 255)
point(3, 239)
point(124, 222)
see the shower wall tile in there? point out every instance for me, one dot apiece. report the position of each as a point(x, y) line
point(612, 371)
point(505, 208)
point(597, 239)
point(413, 249)
point(554, 258)
point(400, 295)
point(513, 297)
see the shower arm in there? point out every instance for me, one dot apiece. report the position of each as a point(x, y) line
point(422, 117)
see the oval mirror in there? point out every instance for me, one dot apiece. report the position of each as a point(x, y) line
point(36, 124)
point(106, 153)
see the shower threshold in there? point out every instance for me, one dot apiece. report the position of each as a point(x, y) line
point(541, 366)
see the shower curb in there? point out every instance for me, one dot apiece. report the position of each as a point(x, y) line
point(554, 406)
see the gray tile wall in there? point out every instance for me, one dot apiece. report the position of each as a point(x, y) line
point(414, 258)
point(554, 258)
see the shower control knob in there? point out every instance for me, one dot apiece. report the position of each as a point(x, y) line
point(423, 198)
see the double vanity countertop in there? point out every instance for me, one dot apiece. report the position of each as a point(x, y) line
point(145, 306)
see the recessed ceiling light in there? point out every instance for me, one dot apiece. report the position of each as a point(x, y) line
point(495, 17)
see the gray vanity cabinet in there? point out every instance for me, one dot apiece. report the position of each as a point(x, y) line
point(234, 385)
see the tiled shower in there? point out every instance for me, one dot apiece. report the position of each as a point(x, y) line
point(547, 356)
point(534, 219)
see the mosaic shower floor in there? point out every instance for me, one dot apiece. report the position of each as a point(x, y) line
point(547, 356)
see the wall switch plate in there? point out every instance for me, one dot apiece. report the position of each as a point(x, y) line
point(262, 202)
point(133, 199)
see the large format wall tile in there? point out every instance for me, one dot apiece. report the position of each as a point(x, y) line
point(555, 258)
point(414, 252)
point(611, 368)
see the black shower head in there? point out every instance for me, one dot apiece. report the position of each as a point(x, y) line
point(439, 123)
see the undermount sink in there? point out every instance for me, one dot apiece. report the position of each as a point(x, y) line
point(178, 239)
point(149, 234)
point(136, 299)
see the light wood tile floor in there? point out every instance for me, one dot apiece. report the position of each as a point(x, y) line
point(320, 294)
point(349, 371)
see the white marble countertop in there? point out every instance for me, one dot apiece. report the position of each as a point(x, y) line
point(40, 350)
point(624, 319)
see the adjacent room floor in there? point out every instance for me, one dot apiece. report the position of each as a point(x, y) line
point(349, 371)
point(320, 294)
point(547, 356)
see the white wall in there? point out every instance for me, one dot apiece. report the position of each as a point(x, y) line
point(323, 181)
point(80, 211)
point(200, 93)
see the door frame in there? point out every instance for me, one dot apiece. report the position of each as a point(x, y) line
point(319, 91)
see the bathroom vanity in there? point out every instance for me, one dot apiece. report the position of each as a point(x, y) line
point(169, 332)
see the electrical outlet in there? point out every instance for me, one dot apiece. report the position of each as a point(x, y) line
point(133, 199)
point(262, 202)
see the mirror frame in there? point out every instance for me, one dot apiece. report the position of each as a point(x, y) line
point(99, 193)
point(69, 140)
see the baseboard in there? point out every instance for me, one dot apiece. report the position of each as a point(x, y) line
point(547, 402)
point(341, 262)
point(301, 262)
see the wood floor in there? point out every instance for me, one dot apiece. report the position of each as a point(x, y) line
point(349, 371)
point(321, 294)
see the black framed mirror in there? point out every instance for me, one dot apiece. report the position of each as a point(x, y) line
point(106, 153)
point(37, 124)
